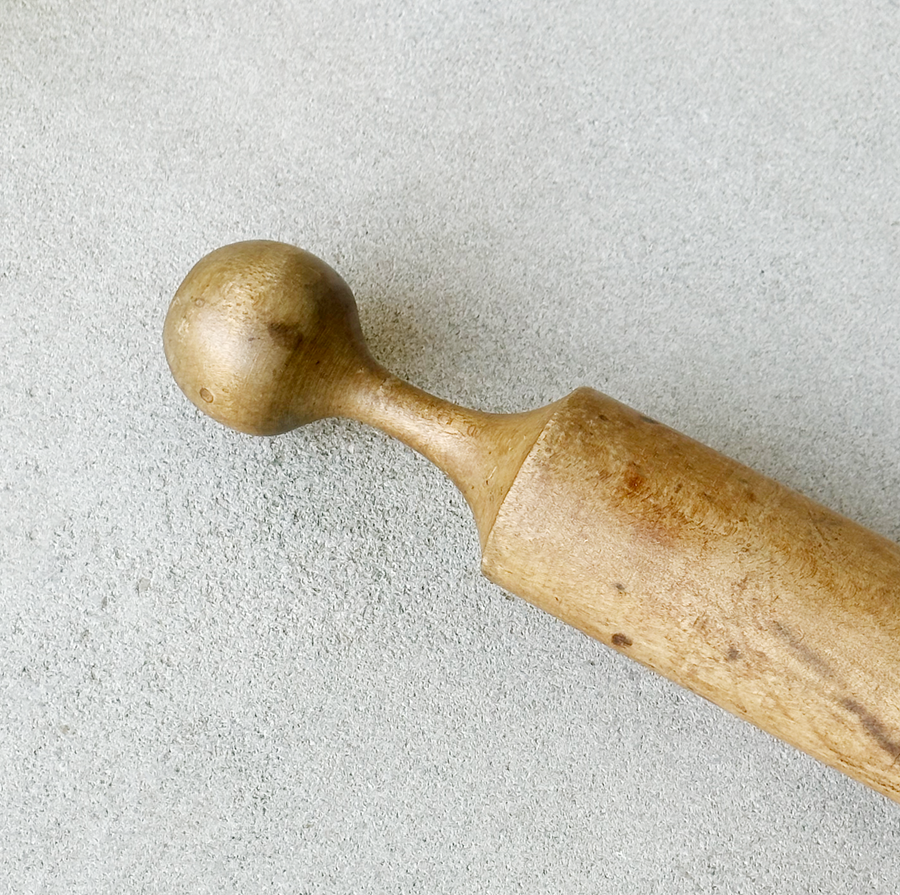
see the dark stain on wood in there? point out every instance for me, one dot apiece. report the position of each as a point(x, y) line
point(621, 640)
point(808, 656)
point(286, 335)
point(634, 479)
point(880, 734)
point(873, 727)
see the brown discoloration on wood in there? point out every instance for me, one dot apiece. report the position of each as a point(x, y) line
point(286, 335)
point(803, 652)
point(748, 593)
point(874, 728)
point(734, 589)
point(831, 686)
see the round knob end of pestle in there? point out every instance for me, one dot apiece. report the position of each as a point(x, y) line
point(264, 337)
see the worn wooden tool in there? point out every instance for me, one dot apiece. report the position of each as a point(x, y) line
point(728, 583)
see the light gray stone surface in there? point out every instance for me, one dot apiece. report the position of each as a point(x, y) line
point(271, 666)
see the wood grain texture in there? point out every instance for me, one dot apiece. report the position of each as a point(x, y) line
point(265, 337)
point(724, 581)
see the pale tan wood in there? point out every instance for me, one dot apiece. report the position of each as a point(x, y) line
point(726, 582)
point(742, 590)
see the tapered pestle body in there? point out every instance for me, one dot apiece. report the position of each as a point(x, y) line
point(721, 579)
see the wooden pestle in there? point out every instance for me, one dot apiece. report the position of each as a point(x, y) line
point(726, 582)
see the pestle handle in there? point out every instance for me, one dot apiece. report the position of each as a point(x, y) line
point(726, 582)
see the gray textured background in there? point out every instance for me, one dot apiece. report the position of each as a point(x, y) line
point(231, 665)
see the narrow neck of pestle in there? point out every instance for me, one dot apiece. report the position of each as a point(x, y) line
point(480, 452)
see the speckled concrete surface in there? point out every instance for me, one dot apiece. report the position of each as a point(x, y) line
point(271, 666)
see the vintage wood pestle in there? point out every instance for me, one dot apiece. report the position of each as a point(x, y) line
point(726, 582)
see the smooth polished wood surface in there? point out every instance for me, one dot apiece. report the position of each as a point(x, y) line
point(726, 582)
point(265, 337)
